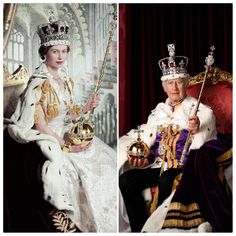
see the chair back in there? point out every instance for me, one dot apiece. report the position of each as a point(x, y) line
point(217, 93)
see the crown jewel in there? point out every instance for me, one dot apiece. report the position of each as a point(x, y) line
point(173, 67)
point(54, 33)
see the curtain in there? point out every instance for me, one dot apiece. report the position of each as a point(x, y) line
point(9, 11)
point(144, 32)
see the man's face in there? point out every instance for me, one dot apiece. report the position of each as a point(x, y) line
point(175, 89)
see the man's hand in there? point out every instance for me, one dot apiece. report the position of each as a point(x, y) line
point(193, 124)
point(138, 162)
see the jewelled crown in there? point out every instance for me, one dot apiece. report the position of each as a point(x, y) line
point(173, 67)
point(54, 33)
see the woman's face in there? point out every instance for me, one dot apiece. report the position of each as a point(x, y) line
point(56, 56)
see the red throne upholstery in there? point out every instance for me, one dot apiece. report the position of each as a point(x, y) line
point(217, 94)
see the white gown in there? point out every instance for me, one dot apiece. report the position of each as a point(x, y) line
point(83, 184)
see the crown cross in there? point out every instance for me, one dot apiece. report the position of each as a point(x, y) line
point(210, 59)
point(139, 131)
point(212, 48)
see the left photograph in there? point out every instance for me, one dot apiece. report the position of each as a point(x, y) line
point(60, 117)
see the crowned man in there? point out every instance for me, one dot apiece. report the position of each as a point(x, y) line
point(165, 133)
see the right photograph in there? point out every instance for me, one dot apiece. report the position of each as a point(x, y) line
point(175, 118)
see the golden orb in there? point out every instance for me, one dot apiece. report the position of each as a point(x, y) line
point(140, 150)
point(82, 132)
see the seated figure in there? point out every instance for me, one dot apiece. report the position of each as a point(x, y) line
point(59, 173)
point(202, 202)
point(166, 132)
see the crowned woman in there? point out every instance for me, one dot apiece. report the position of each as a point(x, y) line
point(79, 178)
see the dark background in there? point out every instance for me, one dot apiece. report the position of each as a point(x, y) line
point(144, 32)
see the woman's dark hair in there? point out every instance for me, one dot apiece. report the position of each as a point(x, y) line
point(44, 49)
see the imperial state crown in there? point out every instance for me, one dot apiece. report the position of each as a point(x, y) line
point(173, 67)
point(53, 33)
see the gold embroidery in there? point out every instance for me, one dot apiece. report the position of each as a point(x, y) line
point(179, 214)
point(183, 223)
point(182, 207)
point(225, 156)
point(62, 222)
point(176, 182)
point(192, 209)
point(49, 101)
point(175, 141)
point(46, 86)
point(75, 109)
point(36, 114)
point(224, 160)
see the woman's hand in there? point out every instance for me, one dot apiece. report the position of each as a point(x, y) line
point(193, 124)
point(79, 147)
point(92, 102)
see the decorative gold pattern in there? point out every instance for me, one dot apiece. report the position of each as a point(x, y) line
point(224, 161)
point(155, 197)
point(170, 136)
point(19, 76)
point(179, 214)
point(182, 207)
point(75, 109)
point(184, 212)
point(173, 223)
point(62, 222)
point(67, 146)
point(214, 76)
point(176, 181)
point(82, 132)
point(36, 114)
point(225, 156)
point(48, 101)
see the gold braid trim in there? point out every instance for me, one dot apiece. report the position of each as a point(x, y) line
point(185, 208)
point(225, 156)
point(179, 214)
point(185, 212)
point(36, 113)
point(224, 161)
point(155, 197)
point(173, 223)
